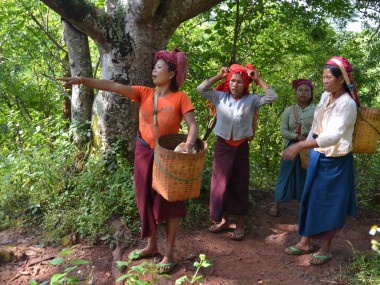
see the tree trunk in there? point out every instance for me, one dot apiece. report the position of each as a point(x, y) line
point(127, 34)
point(82, 97)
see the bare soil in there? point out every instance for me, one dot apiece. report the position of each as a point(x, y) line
point(258, 259)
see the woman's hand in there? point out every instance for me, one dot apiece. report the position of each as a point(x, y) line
point(188, 148)
point(291, 151)
point(223, 72)
point(300, 138)
point(68, 82)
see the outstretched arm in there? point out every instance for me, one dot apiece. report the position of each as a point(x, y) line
point(99, 84)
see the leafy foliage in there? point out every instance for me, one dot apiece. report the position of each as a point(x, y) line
point(40, 181)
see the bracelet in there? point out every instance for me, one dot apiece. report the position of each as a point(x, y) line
point(80, 79)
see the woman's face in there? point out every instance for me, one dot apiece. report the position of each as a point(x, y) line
point(236, 85)
point(161, 74)
point(303, 93)
point(331, 83)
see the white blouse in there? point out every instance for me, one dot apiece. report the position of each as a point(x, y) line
point(334, 125)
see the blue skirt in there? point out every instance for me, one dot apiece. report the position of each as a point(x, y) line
point(329, 194)
point(291, 180)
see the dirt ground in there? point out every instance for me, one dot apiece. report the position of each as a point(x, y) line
point(258, 259)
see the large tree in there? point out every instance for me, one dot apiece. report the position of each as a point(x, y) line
point(127, 33)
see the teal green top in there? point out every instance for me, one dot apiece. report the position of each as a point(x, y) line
point(288, 126)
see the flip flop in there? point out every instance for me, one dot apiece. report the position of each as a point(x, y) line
point(237, 236)
point(323, 259)
point(292, 250)
point(218, 229)
point(274, 212)
point(166, 268)
point(137, 255)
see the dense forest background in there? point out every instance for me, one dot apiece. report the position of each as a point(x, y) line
point(50, 178)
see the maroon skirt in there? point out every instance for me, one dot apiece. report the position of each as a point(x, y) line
point(153, 208)
point(230, 180)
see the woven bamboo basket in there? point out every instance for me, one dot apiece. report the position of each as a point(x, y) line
point(366, 131)
point(304, 155)
point(178, 176)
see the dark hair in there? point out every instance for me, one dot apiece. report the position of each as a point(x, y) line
point(335, 70)
point(173, 84)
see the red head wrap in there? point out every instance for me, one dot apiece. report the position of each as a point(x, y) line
point(225, 85)
point(177, 59)
point(236, 68)
point(296, 83)
point(346, 69)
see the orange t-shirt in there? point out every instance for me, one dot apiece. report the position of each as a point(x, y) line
point(171, 109)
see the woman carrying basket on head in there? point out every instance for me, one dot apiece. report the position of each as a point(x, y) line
point(235, 109)
point(295, 126)
point(329, 192)
point(168, 75)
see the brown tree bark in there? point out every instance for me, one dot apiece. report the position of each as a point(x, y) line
point(82, 97)
point(127, 34)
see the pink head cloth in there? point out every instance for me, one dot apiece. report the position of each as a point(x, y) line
point(178, 60)
point(296, 83)
point(348, 69)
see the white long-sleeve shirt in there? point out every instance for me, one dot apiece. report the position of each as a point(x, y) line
point(334, 125)
point(234, 116)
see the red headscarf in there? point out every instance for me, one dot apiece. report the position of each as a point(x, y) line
point(296, 83)
point(236, 68)
point(346, 69)
point(178, 60)
point(225, 85)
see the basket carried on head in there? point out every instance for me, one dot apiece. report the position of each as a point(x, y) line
point(366, 131)
point(178, 176)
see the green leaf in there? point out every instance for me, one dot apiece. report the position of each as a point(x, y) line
point(57, 261)
point(56, 277)
point(80, 261)
point(181, 280)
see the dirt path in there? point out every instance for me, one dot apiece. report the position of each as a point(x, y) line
point(258, 259)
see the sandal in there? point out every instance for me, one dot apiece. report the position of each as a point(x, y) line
point(274, 212)
point(218, 229)
point(137, 255)
point(320, 259)
point(166, 268)
point(292, 250)
point(237, 235)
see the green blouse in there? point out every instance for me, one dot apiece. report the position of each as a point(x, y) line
point(288, 126)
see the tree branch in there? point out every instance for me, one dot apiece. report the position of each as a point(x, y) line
point(84, 16)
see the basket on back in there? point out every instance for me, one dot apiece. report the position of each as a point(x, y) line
point(178, 176)
point(367, 130)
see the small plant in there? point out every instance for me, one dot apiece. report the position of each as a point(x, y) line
point(146, 273)
point(375, 231)
point(68, 276)
point(365, 266)
point(196, 278)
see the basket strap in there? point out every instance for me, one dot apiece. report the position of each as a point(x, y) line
point(346, 79)
point(155, 116)
point(296, 117)
point(172, 175)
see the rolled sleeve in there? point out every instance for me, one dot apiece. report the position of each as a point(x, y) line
point(270, 96)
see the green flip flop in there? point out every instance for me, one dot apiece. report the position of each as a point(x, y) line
point(292, 250)
point(322, 259)
point(166, 268)
point(137, 255)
